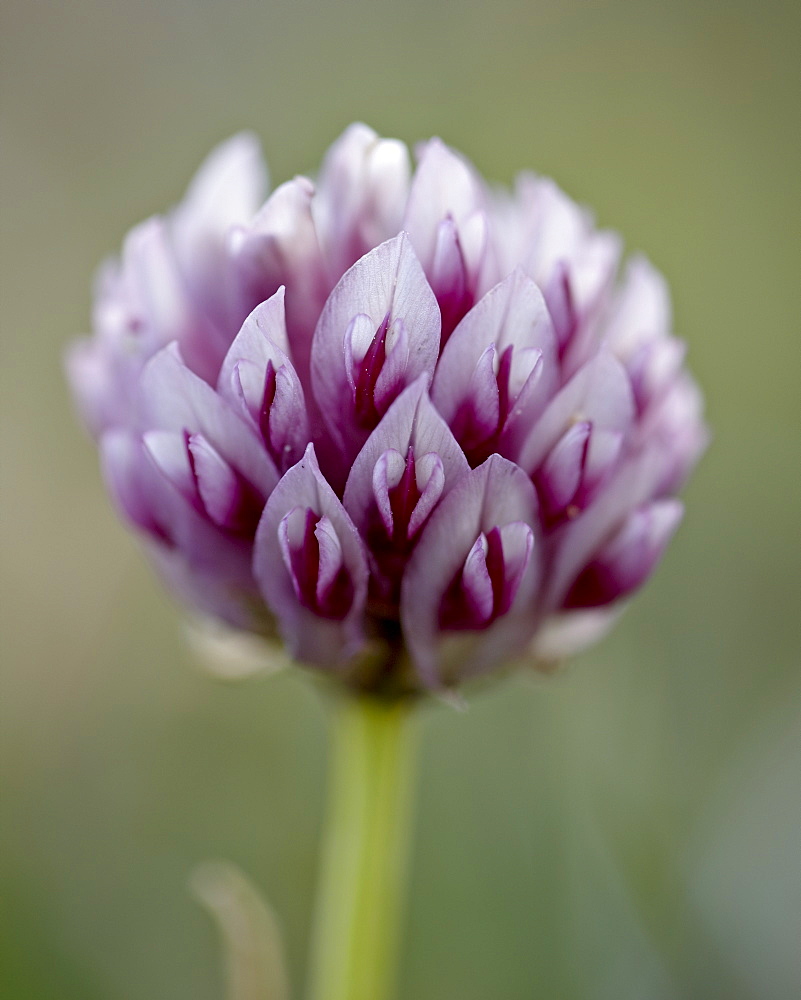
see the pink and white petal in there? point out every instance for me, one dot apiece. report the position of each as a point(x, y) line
point(477, 582)
point(627, 560)
point(632, 484)
point(448, 271)
point(550, 225)
point(261, 338)
point(156, 505)
point(164, 301)
point(231, 600)
point(432, 482)
point(675, 430)
point(331, 558)
point(444, 184)
point(280, 241)
point(589, 276)
point(134, 485)
point(288, 427)
point(173, 398)
point(387, 473)
point(388, 281)
point(512, 314)
point(226, 191)
point(102, 397)
point(396, 363)
point(259, 344)
point(481, 402)
point(168, 450)
point(599, 393)
point(310, 637)
point(592, 269)
point(641, 311)
point(562, 471)
point(361, 195)
point(517, 543)
point(654, 367)
point(220, 489)
point(495, 494)
point(411, 421)
point(281, 247)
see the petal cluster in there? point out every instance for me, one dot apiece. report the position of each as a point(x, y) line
point(413, 425)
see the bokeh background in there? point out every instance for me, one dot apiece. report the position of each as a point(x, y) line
point(629, 829)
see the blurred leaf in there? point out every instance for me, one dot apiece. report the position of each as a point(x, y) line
point(249, 930)
point(230, 655)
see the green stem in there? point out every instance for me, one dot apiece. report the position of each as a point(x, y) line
point(357, 922)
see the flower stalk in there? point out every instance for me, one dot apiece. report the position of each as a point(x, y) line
point(359, 908)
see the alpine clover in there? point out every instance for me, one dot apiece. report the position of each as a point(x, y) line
point(415, 426)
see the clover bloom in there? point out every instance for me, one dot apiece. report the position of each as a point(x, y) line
point(414, 426)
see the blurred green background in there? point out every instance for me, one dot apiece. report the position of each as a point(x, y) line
point(627, 830)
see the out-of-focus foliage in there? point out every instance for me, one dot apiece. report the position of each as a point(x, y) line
point(627, 830)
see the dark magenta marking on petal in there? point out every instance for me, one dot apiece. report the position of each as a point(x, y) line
point(266, 403)
point(403, 499)
point(477, 433)
point(594, 587)
point(575, 469)
point(277, 442)
point(562, 307)
point(194, 496)
point(391, 546)
point(453, 307)
point(241, 514)
point(454, 304)
point(133, 495)
point(497, 574)
point(503, 377)
point(391, 542)
point(628, 559)
point(458, 611)
point(559, 480)
point(366, 376)
point(303, 564)
point(450, 280)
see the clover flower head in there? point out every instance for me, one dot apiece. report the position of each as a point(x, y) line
point(415, 426)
